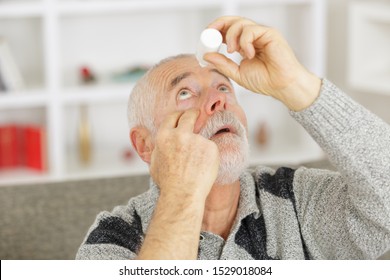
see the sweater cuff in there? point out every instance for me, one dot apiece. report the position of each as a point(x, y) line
point(332, 110)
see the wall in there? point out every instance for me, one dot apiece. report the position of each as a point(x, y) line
point(337, 59)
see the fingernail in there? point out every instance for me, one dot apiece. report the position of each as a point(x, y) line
point(229, 48)
point(250, 51)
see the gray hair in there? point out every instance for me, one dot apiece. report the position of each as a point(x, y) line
point(142, 100)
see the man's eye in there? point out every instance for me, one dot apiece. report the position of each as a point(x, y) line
point(224, 89)
point(184, 94)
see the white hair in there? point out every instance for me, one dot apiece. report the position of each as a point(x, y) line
point(142, 100)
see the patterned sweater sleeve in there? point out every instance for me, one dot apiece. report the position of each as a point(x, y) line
point(345, 214)
point(113, 236)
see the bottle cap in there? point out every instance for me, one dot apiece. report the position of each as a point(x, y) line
point(210, 41)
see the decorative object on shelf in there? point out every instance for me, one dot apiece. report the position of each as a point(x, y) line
point(10, 76)
point(23, 146)
point(84, 137)
point(87, 75)
point(130, 75)
point(3, 88)
point(262, 134)
point(128, 154)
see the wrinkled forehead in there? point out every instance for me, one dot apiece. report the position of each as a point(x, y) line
point(162, 76)
point(171, 72)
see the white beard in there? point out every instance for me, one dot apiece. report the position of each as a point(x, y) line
point(234, 157)
point(233, 148)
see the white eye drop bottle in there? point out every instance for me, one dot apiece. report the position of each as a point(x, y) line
point(210, 41)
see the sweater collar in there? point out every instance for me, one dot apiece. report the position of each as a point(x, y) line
point(248, 204)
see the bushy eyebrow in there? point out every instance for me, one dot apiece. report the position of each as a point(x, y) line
point(216, 71)
point(175, 81)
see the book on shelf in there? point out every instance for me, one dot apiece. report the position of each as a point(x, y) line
point(35, 147)
point(22, 146)
point(9, 146)
point(10, 76)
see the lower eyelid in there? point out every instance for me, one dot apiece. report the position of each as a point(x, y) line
point(184, 106)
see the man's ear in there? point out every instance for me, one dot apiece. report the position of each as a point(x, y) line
point(140, 138)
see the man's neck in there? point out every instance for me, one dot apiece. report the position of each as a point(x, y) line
point(221, 209)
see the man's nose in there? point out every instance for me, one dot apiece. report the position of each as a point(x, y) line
point(215, 101)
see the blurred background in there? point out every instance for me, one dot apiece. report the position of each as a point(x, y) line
point(67, 68)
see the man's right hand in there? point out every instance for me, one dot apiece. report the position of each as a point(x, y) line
point(183, 163)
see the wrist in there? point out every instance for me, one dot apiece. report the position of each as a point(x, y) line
point(173, 232)
point(185, 190)
point(302, 93)
point(180, 201)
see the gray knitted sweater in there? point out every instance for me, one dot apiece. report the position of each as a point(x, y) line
point(286, 213)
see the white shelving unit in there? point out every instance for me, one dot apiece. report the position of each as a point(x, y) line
point(369, 42)
point(52, 39)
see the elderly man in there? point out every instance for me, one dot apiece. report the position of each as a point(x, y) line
point(189, 128)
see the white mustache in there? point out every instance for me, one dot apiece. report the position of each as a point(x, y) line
point(220, 119)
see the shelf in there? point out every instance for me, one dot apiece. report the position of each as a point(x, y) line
point(23, 176)
point(21, 9)
point(52, 39)
point(274, 2)
point(375, 12)
point(25, 40)
point(38, 8)
point(77, 8)
point(98, 168)
point(23, 99)
point(378, 84)
point(369, 59)
point(97, 93)
point(98, 7)
point(276, 156)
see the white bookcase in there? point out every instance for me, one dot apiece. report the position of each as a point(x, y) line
point(369, 44)
point(52, 39)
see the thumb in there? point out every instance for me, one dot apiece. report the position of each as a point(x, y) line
point(224, 65)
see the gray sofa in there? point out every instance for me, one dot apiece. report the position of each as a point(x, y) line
point(49, 221)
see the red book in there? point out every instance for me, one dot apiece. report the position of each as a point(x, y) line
point(35, 147)
point(9, 157)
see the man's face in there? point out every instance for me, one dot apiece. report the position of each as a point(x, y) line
point(185, 85)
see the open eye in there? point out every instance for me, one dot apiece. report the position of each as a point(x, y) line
point(184, 94)
point(224, 88)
